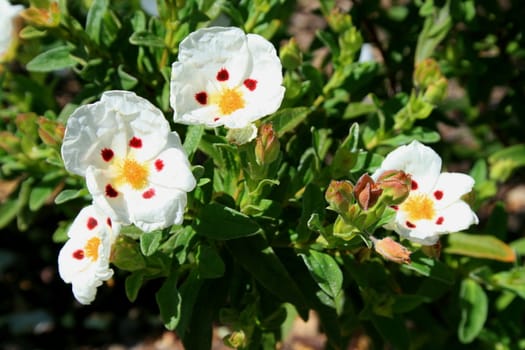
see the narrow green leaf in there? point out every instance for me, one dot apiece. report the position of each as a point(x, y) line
point(169, 302)
point(325, 271)
point(193, 138)
point(67, 195)
point(221, 222)
point(94, 19)
point(144, 38)
point(126, 80)
point(38, 197)
point(287, 119)
point(8, 211)
point(479, 246)
point(54, 59)
point(210, 262)
point(474, 309)
point(150, 242)
point(132, 284)
point(126, 255)
point(512, 280)
point(429, 267)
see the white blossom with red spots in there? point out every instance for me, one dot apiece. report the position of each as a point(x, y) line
point(135, 168)
point(83, 261)
point(7, 14)
point(434, 206)
point(224, 77)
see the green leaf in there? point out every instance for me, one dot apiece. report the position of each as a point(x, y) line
point(144, 38)
point(126, 255)
point(429, 267)
point(512, 280)
point(210, 262)
point(258, 258)
point(38, 197)
point(287, 119)
point(346, 155)
point(392, 330)
point(94, 19)
point(474, 309)
point(54, 59)
point(126, 80)
point(8, 211)
point(150, 242)
point(67, 195)
point(133, 283)
point(435, 29)
point(169, 302)
point(193, 138)
point(479, 246)
point(220, 222)
point(504, 162)
point(326, 272)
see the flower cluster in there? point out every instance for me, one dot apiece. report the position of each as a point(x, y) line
point(434, 206)
point(135, 168)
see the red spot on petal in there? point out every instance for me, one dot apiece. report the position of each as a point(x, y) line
point(216, 118)
point(438, 194)
point(107, 154)
point(414, 185)
point(201, 97)
point(410, 225)
point(395, 207)
point(78, 254)
point(92, 223)
point(159, 164)
point(223, 75)
point(440, 220)
point(110, 191)
point(108, 221)
point(250, 84)
point(135, 142)
point(148, 194)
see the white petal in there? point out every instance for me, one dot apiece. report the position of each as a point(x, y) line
point(165, 208)
point(174, 170)
point(7, 13)
point(416, 159)
point(450, 187)
point(457, 217)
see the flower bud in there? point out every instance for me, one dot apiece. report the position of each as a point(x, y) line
point(267, 145)
point(366, 192)
point(43, 17)
point(290, 55)
point(50, 131)
point(396, 186)
point(236, 339)
point(339, 195)
point(427, 72)
point(392, 250)
point(436, 91)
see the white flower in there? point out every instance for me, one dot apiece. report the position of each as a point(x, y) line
point(225, 77)
point(434, 205)
point(135, 168)
point(84, 260)
point(7, 13)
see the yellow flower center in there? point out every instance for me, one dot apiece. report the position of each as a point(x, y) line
point(134, 173)
point(230, 100)
point(91, 248)
point(418, 207)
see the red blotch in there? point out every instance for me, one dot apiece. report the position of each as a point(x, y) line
point(414, 185)
point(201, 97)
point(107, 154)
point(92, 223)
point(223, 75)
point(78, 254)
point(159, 164)
point(410, 225)
point(440, 220)
point(135, 142)
point(216, 118)
point(250, 84)
point(111, 192)
point(108, 221)
point(438, 194)
point(148, 194)
point(395, 207)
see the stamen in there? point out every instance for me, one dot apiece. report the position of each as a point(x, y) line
point(91, 248)
point(230, 100)
point(134, 173)
point(418, 207)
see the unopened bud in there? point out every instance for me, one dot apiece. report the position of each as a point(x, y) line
point(236, 339)
point(366, 192)
point(44, 17)
point(427, 72)
point(392, 250)
point(290, 55)
point(267, 145)
point(436, 91)
point(396, 186)
point(339, 195)
point(50, 131)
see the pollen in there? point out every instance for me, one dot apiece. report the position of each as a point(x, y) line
point(91, 248)
point(230, 100)
point(418, 207)
point(134, 174)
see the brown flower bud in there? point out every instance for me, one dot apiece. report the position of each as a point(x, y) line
point(267, 145)
point(366, 192)
point(339, 195)
point(395, 184)
point(392, 250)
